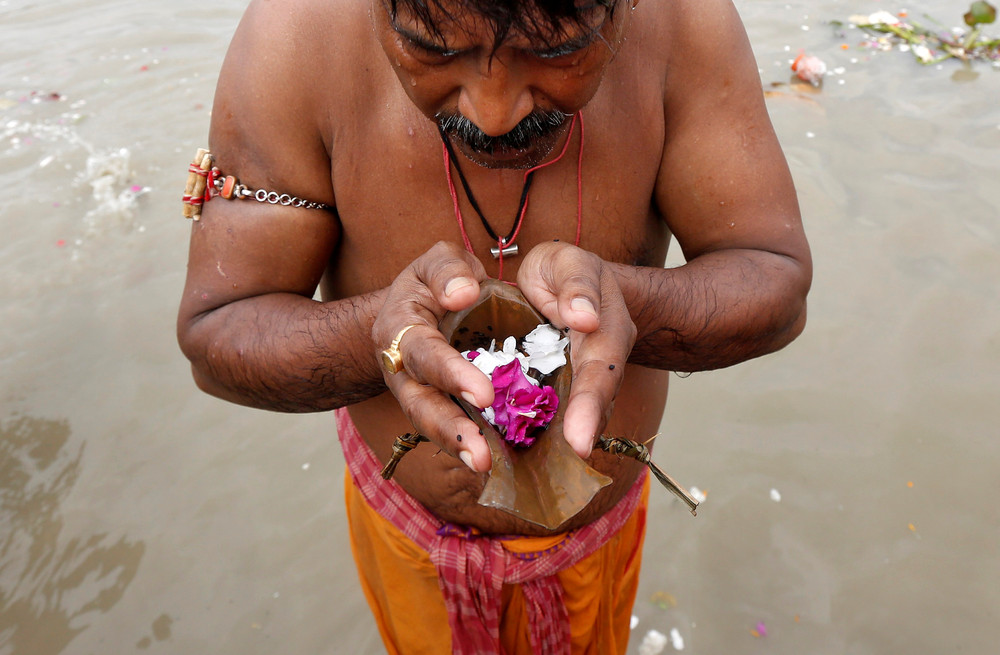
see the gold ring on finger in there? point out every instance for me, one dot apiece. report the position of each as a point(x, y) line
point(392, 358)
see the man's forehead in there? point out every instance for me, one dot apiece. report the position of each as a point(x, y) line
point(527, 18)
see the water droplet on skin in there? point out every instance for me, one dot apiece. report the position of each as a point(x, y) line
point(409, 131)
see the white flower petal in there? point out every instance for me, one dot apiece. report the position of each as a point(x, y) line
point(545, 364)
point(883, 18)
point(543, 334)
point(676, 640)
point(546, 348)
point(488, 360)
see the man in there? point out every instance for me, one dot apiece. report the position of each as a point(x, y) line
point(406, 119)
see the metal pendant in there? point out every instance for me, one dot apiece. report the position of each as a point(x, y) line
point(508, 251)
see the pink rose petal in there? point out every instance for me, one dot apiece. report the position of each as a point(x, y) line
point(519, 405)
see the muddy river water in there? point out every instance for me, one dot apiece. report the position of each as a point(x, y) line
point(852, 480)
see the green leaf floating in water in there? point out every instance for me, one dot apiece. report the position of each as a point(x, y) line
point(980, 13)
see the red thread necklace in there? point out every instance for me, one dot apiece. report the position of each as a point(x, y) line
point(506, 245)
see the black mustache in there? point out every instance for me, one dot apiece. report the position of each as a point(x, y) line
point(534, 126)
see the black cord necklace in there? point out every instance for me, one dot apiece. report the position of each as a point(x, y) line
point(518, 217)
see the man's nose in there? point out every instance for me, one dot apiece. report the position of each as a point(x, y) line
point(495, 98)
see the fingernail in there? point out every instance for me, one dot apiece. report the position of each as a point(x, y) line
point(583, 305)
point(457, 284)
point(466, 457)
point(469, 398)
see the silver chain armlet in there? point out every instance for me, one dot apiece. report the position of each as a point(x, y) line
point(205, 181)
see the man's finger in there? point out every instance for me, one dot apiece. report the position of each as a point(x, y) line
point(443, 422)
point(451, 274)
point(564, 283)
point(429, 359)
point(591, 399)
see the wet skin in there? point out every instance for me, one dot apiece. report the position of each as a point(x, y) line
point(677, 142)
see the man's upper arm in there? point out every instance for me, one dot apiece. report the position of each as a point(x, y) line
point(723, 181)
point(267, 130)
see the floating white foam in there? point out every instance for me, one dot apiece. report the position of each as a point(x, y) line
point(653, 643)
point(108, 174)
point(676, 640)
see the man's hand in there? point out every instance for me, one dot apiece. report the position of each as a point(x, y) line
point(445, 278)
point(574, 289)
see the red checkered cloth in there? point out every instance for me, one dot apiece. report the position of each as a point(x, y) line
point(472, 569)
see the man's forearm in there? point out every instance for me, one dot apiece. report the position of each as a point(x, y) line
point(719, 309)
point(285, 352)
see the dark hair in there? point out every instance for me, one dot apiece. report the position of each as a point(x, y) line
point(541, 21)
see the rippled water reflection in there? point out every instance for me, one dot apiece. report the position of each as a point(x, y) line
point(54, 583)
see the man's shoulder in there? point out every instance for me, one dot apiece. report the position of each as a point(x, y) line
point(304, 52)
point(305, 27)
point(684, 40)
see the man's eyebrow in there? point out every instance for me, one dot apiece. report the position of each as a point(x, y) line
point(568, 46)
point(420, 40)
point(405, 31)
point(572, 44)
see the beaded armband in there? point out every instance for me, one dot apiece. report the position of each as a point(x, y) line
point(205, 181)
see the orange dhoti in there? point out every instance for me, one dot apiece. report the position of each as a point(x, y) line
point(581, 585)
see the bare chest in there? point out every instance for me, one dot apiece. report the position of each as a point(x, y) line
point(396, 197)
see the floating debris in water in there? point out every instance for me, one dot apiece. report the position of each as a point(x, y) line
point(663, 600)
point(676, 640)
point(43, 96)
point(760, 630)
point(107, 173)
point(932, 46)
point(775, 495)
point(809, 68)
point(653, 643)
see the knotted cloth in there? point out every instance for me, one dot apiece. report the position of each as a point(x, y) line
point(472, 569)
